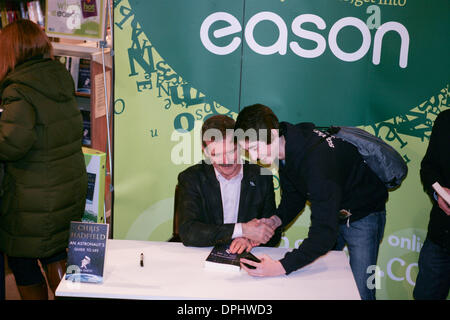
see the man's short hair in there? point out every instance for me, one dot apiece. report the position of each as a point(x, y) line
point(215, 125)
point(258, 118)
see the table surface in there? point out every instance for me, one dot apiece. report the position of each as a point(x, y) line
point(173, 271)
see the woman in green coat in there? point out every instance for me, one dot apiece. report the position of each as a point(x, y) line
point(45, 183)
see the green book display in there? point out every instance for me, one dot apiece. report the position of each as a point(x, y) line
point(95, 166)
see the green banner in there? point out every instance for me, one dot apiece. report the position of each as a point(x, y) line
point(379, 64)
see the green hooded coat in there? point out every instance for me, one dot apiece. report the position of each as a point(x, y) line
point(45, 181)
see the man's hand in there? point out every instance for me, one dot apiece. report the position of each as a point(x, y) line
point(444, 205)
point(273, 222)
point(266, 268)
point(257, 231)
point(238, 245)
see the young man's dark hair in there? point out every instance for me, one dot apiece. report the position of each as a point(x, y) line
point(257, 117)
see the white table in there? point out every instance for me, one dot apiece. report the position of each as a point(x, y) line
point(173, 271)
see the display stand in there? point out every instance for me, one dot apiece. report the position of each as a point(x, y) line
point(101, 84)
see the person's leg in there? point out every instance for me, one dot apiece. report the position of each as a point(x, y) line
point(2, 276)
point(363, 239)
point(29, 278)
point(55, 267)
point(433, 279)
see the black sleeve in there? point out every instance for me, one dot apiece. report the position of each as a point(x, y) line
point(291, 203)
point(430, 168)
point(325, 196)
point(269, 209)
point(195, 228)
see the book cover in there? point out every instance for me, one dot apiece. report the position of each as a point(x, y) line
point(84, 76)
point(220, 258)
point(89, 8)
point(441, 192)
point(86, 128)
point(86, 256)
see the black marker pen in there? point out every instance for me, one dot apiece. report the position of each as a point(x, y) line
point(142, 259)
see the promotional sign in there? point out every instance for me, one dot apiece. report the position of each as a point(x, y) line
point(381, 65)
point(76, 19)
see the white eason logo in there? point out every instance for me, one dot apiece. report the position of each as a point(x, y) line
point(281, 44)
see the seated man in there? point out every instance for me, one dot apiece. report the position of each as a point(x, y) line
point(220, 199)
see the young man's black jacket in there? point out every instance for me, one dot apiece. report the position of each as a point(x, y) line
point(435, 166)
point(331, 175)
point(200, 204)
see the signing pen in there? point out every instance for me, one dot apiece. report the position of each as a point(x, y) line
point(142, 259)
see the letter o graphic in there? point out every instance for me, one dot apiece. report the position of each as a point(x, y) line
point(332, 39)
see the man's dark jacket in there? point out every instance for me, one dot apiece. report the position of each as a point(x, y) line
point(200, 204)
point(435, 166)
point(331, 175)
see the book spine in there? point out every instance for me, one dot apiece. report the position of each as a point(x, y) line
point(3, 14)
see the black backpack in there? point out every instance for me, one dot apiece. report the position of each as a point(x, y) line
point(383, 159)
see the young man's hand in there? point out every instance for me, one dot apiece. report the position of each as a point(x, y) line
point(273, 222)
point(443, 204)
point(266, 268)
point(257, 231)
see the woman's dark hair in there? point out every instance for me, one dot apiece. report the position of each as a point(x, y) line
point(259, 118)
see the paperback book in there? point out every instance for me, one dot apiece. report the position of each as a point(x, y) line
point(84, 76)
point(221, 258)
point(86, 256)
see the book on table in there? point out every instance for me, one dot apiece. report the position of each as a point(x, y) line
point(87, 248)
point(220, 258)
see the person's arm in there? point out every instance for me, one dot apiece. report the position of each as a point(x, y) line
point(195, 229)
point(17, 123)
point(291, 203)
point(269, 210)
point(325, 196)
point(430, 168)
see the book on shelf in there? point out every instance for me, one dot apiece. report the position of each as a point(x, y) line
point(441, 192)
point(73, 69)
point(84, 76)
point(14, 10)
point(35, 13)
point(3, 14)
point(86, 128)
point(86, 255)
point(72, 65)
point(220, 258)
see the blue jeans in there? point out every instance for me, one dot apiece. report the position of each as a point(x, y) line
point(363, 239)
point(433, 280)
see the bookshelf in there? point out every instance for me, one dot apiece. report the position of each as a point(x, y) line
point(92, 101)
